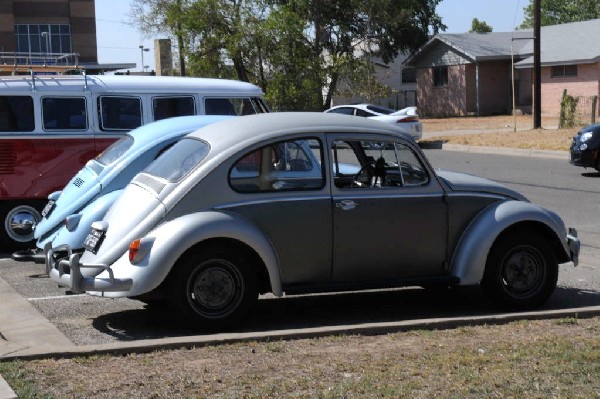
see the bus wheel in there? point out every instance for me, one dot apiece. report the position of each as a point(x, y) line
point(18, 223)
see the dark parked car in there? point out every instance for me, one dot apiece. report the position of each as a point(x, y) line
point(585, 149)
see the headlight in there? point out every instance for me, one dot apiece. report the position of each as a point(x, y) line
point(586, 136)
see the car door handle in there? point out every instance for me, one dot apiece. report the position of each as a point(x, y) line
point(346, 205)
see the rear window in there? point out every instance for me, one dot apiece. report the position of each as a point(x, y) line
point(64, 113)
point(16, 114)
point(115, 151)
point(167, 107)
point(120, 113)
point(179, 160)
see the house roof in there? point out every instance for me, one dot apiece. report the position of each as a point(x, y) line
point(570, 43)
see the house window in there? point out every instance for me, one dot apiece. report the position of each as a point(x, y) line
point(440, 76)
point(564, 71)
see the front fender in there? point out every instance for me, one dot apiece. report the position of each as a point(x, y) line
point(93, 212)
point(163, 246)
point(470, 257)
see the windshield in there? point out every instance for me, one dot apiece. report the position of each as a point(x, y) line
point(381, 110)
point(179, 160)
point(115, 151)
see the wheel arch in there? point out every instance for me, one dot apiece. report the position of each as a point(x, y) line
point(496, 221)
point(174, 240)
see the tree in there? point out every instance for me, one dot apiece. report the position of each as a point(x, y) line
point(555, 12)
point(162, 16)
point(480, 26)
point(296, 50)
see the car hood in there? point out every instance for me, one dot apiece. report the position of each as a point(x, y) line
point(465, 182)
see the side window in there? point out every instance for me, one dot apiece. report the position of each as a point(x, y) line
point(167, 107)
point(285, 165)
point(64, 113)
point(344, 111)
point(363, 113)
point(16, 114)
point(119, 113)
point(375, 164)
point(234, 106)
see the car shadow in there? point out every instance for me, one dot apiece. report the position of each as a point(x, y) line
point(280, 314)
point(432, 145)
point(591, 174)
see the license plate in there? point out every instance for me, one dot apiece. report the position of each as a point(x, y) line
point(48, 209)
point(93, 240)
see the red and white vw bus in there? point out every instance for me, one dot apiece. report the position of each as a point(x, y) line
point(50, 126)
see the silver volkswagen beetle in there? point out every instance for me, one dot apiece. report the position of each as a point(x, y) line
point(303, 203)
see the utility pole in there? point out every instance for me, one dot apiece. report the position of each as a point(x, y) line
point(537, 68)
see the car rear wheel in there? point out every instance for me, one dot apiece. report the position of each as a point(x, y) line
point(521, 271)
point(17, 224)
point(214, 288)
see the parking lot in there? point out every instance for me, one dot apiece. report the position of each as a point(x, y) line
point(86, 320)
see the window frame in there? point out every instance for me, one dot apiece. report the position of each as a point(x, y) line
point(320, 165)
point(85, 114)
point(440, 76)
point(564, 71)
point(118, 129)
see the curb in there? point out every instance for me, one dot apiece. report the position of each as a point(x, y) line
point(520, 152)
point(6, 391)
point(149, 345)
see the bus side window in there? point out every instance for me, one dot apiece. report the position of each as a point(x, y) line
point(167, 107)
point(16, 114)
point(64, 113)
point(119, 113)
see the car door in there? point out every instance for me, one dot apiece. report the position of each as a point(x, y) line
point(389, 215)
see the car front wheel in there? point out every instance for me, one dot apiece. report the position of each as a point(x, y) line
point(214, 288)
point(521, 271)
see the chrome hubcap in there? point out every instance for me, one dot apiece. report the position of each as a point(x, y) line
point(20, 223)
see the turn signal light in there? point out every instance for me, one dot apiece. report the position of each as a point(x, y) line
point(134, 247)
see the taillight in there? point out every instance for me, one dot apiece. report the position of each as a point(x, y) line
point(134, 247)
point(409, 119)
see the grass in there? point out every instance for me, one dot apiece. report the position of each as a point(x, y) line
point(498, 131)
point(533, 359)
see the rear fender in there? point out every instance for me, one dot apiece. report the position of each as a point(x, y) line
point(470, 257)
point(162, 247)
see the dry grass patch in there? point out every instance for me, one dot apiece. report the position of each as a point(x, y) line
point(498, 131)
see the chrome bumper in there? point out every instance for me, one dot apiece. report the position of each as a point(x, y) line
point(574, 245)
point(67, 273)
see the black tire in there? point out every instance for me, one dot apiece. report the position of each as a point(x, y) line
point(214, 288)
point(521, 271)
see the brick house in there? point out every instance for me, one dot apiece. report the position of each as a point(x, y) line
point(470, 73)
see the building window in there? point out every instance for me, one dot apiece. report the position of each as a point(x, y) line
point(409, 75)
point(440, 76)
point(564, 71)
point(43, 39)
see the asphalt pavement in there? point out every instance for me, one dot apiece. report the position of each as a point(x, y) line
point(26, 334)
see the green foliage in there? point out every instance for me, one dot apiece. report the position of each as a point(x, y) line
point(480, 26)
point(568, 108)
point(554, 12)
point(295, 50)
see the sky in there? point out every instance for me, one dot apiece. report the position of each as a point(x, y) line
point(118, 40)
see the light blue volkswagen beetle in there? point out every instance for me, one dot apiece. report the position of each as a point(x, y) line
point(86, 198)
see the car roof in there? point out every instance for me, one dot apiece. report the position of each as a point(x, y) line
point(165, 128)
point(251, 129)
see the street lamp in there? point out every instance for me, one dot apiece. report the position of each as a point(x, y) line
point(142, 49)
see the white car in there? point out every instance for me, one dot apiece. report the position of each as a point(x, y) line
point(407, 118)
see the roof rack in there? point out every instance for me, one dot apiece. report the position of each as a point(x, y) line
point(39, 63)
